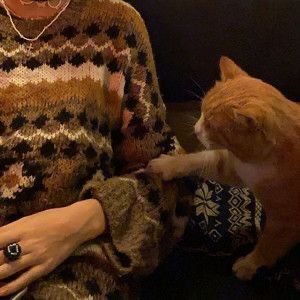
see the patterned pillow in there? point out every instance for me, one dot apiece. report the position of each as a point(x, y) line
point(226, 220)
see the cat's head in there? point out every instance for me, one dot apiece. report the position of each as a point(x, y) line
point(238, 115)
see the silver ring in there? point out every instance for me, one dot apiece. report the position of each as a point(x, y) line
point(12, 251)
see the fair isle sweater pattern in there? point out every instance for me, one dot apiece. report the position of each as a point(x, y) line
point(80, 113)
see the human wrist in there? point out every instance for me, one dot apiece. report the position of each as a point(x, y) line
point(89, 219)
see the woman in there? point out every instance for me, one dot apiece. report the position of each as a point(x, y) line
point(80, 105)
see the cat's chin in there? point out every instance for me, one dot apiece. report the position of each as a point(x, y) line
point(214, 147)
point(204, 143)
point(207, 144)
point(211, 146)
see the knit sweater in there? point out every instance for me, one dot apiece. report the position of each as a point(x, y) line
point(81, 112)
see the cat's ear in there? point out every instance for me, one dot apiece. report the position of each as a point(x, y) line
point(230, 70)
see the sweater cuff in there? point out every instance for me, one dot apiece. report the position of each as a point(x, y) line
point(132, 223)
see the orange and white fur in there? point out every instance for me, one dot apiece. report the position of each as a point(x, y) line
point(252, 136)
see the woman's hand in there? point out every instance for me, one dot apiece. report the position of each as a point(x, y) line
point(47, 239)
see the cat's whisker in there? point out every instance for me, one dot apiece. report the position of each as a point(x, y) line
point(193, 118)
point(189, 124)
point(190, 121)
point(191, 133)
point(194, 94)
point(199, 86)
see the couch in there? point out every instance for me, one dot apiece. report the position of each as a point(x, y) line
point(188, 38)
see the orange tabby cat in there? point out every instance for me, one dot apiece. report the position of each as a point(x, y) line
point(252, 136)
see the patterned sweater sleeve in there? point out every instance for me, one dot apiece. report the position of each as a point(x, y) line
point(145, 216)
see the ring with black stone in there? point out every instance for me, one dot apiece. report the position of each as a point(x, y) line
point(12, 251)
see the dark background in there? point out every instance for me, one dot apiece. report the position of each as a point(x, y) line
point(189, 36)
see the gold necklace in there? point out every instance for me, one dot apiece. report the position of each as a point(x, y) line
point(44, 29)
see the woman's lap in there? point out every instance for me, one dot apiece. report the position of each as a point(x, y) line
point(77, 278)
point(224, 220)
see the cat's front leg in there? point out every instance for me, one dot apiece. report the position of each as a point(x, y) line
point(275, 241)
point(245, 267)
point(211, 164)
point(170, 167)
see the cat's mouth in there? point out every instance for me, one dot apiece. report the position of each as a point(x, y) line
point(207, 144)
point(202, 136)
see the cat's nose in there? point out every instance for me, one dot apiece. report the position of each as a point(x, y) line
point(198, 129)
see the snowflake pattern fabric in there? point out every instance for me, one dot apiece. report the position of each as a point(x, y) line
point(227, 220)
point(224, 218)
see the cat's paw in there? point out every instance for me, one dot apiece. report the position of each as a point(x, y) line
point(245, 268)
point(167, 166)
